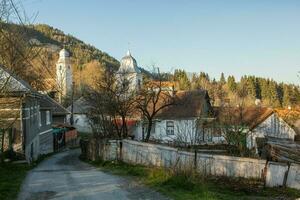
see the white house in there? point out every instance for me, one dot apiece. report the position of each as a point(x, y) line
point(181, 122)
point(258, 122)
point(272, 126)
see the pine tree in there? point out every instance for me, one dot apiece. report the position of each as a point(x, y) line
point(182, 78)
point(232, 85)
point(273, 94)
point(222, 79)
point(251, 87)
point(287, 92)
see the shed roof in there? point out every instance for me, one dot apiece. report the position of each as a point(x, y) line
point(250, 117)
point(80, 106)
point(13, 83)
point(57, 108)
point(292, 117)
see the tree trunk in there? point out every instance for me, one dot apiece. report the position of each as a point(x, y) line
point(148, 130)
point(124, 127)
point(2, 145)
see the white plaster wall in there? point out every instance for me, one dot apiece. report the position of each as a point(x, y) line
point(230, 166)
point(218, 165)
point(184, 131)
point(293, 179)
point(275, 174)
point(64, 75)
point(133, 79)
point(82, 123)
point(162, 156)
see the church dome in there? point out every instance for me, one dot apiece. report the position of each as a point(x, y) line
point(64, 53)
point(129, 64)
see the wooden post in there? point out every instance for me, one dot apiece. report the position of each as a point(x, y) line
point(286, 175)
point(195, 159)
point(2, 144)
point(10, 137)
point(121, 147)
point(72, 104)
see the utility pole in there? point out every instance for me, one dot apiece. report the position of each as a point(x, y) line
point(72, 104)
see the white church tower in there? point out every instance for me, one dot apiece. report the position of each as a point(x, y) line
point(64, 74)
point(130, 72)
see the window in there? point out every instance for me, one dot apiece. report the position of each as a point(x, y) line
point(48, 121)
point(170, 128)
point(139, 84)
point(153, 128)
point(39, 119)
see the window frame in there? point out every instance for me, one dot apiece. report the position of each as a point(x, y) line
point(48, 118)
point(40, 118)
point(170, 128)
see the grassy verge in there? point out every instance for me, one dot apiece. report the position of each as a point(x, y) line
point(183, 186)
point(12, 176)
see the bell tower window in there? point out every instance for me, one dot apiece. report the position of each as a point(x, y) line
point(139, 84)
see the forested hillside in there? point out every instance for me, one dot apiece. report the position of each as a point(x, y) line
point(88, 62)
point(248, 88)
point(82, 52)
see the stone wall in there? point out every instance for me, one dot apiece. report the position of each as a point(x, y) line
point(134, 152)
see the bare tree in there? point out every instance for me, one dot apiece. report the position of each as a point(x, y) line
point(112, 103)
point(152, 99)
point(187, 133)
point(233, 122)
point(16, 55)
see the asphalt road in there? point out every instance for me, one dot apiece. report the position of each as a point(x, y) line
point(64, 177)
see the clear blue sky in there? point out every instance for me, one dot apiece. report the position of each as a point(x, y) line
point(260, 37)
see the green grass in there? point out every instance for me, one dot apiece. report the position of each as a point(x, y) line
point(186, 186)
point(11, 177)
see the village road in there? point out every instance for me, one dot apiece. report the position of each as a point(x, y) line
point(64, 177)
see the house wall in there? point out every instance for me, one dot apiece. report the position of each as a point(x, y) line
point(36, 130)
point(81, 123)
point(184, 131)
point(59, 119)
point(10, 111)
point(46, 142)
point(45, 132)
point(273, 126)
point(30, 127)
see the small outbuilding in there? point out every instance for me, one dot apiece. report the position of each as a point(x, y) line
point(80, 115)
